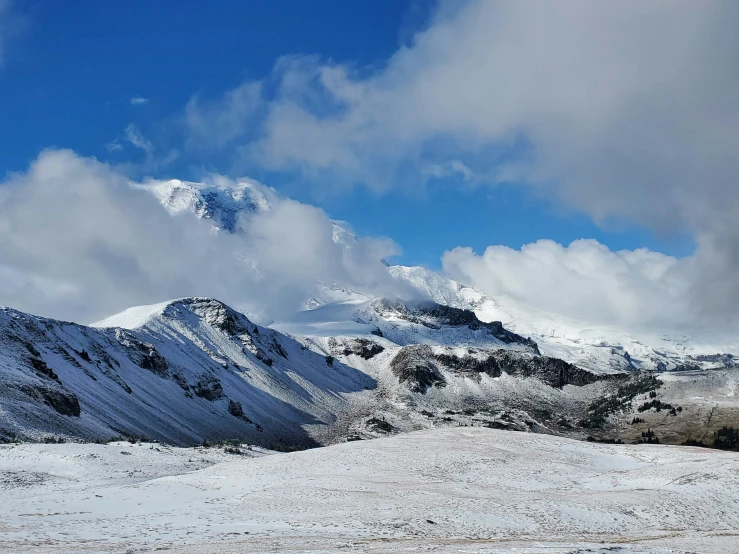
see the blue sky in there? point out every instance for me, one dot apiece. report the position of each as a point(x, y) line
point(72, 73)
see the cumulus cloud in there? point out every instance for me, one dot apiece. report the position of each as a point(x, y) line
point(139, 101)
point(625, 110)
point(585, 281)
point(78, 240)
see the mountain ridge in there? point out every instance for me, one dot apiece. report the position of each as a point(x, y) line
point(194, 368)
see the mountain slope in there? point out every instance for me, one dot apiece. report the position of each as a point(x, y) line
point(192, 369)
point(182, 371)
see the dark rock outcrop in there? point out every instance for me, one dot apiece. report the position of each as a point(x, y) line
point(420, 366)
point(433, 316)
point(63, 401)
point(413, 365)
point(208, 387)
point(364, 348)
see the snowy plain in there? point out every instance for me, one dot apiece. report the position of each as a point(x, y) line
point(443, 490)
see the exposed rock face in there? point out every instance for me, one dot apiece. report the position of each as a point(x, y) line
point(364, 348)
point(421, 368)
point(209, 387)
point(61, 400)
point(143, 354)
point(413, 366)
point(214, 313)
point(552, 371)
point(434, 316)
point(41, 367)
point(235, 409)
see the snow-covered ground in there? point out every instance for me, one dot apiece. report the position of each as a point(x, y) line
point(452, 490)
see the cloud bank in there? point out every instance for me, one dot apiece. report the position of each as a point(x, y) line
point(79, 242)
point(586, 281)
point(621, 110)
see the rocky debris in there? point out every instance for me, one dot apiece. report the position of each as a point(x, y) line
point(364, 348)
point(413, 365)
point(208, 387)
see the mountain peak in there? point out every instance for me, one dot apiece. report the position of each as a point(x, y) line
point(214, 312)
point(220, 201)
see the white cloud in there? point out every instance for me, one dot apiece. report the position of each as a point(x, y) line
point(114, 146)
point(585, 281)
point(139, 101)
point(626, 110)
point(215, 123)
point(630, 108)
point(78, 241)
point(134, 136)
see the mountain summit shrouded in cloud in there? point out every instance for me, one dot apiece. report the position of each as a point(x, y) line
point(623, 112)
point(80, 241)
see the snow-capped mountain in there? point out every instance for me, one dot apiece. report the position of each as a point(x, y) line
point(597, 348)
point(222, 203)
point(600, 348)
point(351, 364)
point(179, 371)
point(191, 369)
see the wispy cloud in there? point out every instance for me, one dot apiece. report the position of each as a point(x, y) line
point(134, 136)
point(139, 100)
point(114, 146)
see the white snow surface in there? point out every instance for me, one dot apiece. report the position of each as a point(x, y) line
point(135, 317)
point(452, 490)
